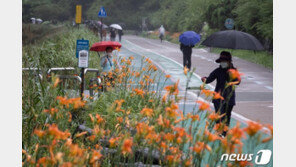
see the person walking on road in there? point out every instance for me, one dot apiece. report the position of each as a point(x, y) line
point(224, 86)
point(187, 51)
point(104, 34)
point(120, 33)
point(161, 32)
point(112, 34)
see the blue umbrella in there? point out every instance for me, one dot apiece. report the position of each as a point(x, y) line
point(189, 38)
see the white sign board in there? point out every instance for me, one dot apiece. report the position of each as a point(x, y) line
point(83, 59)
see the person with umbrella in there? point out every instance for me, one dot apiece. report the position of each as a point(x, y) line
point(120, 33)
point(106, 60)
point(187, 41)
point(112, 34)
point(224, 86)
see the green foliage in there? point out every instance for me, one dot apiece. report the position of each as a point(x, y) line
point(255, 16)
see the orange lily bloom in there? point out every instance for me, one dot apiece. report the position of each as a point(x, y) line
point(186, 70)
point(203, 105)
point(99, 118)
point(147, 112)
point(168, 76)
point(252, 128)
point(217, 96)
point(112, 142)
point(127, 146)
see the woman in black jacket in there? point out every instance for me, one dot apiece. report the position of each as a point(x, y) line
point(223, 77)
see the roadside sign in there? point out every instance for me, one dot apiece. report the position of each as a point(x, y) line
point(229, 23)
point(78, 14)
point(81, 44)
point(102, 12)
point(83, 59)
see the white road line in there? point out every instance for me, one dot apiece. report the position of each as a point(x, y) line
point(268, 87)
point(235, 115)
point(258, 82)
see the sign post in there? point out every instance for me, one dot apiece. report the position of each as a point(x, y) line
point(78, 14)
point(102, 14)
point(82, 47)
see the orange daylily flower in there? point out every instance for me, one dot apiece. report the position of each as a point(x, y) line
point(127, 146)
point(56, 82)
point(80, 134)
point(211, 137)
point(54, 130)
point(173, 89)
point(217, 96)
point(194, 117)
point(139, 92)
point(160, 120)
point(215, 116)
point(119, 119)
point(147, 112)
point(119, 104)
point(92, 138)
point(95, 156)
point(252, 128)
point(186, 70)
point(91, 118)
point(112, 142)
point(200, 146)
point(207, 92)
point(99, 118)
point(235, 74)
point(168, 76)
point(203, 105)
point(39, 133)
point(236, 132)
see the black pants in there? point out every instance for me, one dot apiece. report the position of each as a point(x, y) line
point(187, 60)
point(224, 109)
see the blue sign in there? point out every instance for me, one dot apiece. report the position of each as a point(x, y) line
point(81, 44)
point(102, 12)
point(229, 23)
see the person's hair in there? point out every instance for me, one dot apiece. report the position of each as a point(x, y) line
point(109, 48)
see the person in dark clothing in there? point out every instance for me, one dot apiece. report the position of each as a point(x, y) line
point(223, 77)
point(120, 33)
point(112, 34)
point(187, 51)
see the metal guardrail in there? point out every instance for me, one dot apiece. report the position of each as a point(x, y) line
point(74, 76)
point(60, 69)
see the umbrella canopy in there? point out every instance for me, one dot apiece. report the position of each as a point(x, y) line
point(189, 38)
point(116, 26)
point(101, 46)
point(233, 39)
point(104, 26)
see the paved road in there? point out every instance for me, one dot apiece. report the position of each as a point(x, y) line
point(254, 95)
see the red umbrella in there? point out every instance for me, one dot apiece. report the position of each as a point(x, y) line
point(101, 46)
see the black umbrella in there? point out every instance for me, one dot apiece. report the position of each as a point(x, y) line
point(233, 39)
